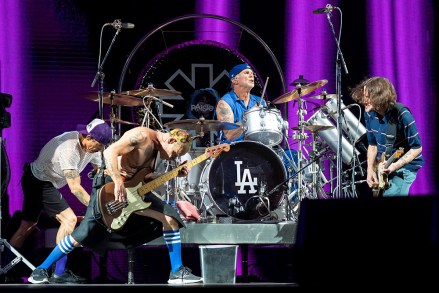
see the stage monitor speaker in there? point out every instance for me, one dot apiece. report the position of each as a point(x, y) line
point(358, 243)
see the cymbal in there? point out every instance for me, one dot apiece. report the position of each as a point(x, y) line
point(323, 97)
point(301, 91)
point(152, 91)
point(313, 128)
point(201, 125)
point(120, 121)
point(114, 99)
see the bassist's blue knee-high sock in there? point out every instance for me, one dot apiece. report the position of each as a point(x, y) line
point(60, 266)
point(173, 241)
point(64, 247)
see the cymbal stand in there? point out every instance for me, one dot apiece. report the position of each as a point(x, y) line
point(300, 112)
point(148, 113)
point(159, 113)
point(313, 165)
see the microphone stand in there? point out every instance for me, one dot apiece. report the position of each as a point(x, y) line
point(100, 75)
point(339, 61)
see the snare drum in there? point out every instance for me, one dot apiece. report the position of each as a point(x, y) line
point(238, 182)
point(264, 125)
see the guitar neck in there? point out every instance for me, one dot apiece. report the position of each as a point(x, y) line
point(169, 175)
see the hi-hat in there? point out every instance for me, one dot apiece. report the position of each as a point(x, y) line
point(313, 128)
point(201, 125)
point(152, 91)
point(300, 91)
point(114, 99)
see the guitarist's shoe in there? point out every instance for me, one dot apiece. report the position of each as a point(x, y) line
point(183, 276)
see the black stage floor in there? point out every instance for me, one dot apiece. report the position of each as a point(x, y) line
point(86, 288)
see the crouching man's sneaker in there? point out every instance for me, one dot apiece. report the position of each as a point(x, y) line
point(183, 276)
point(39, 276)
point(67, 278)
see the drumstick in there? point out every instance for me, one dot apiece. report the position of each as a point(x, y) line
point(263, 91)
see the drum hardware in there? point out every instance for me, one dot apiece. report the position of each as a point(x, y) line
point(323, 96)
point(111, 98)
point(232, 182)
point(297, 93)
point(202, 125)
point(300, 91)
point(300, 80)
point(331, 138)
point(120, 121)
point(152, 91)
point(350, 124)
point(313, 128)
point(264, 125)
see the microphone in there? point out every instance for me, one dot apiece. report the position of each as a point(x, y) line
point(161, 101)
point(328, 9)
point(118, 24)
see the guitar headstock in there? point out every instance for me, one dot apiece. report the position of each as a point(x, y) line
point(215, 151)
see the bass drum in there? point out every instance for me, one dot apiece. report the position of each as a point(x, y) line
point(240, 183)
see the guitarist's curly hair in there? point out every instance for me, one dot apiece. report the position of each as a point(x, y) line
point(380, 90)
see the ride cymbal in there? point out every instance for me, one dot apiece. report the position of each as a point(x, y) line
point(152, 91)
point(313, 128)
point(201, 125)
point(300, 91)
point(114, 99)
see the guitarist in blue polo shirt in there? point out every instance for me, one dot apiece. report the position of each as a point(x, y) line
point(394, 153)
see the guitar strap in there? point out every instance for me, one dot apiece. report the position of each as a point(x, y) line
point(391, 128)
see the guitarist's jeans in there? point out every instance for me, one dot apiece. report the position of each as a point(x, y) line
point(400, 182)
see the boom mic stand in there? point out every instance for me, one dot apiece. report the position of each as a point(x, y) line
point(4, 242)
point(339, 61)
point(100, 75)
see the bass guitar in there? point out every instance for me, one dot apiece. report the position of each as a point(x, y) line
point(383, 180)
point(115, 214)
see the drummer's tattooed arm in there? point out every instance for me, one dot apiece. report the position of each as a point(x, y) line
point(224, 112)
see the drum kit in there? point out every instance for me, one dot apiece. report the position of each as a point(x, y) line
point(256, 176)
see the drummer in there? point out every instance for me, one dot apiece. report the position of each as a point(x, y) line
point(232, 105)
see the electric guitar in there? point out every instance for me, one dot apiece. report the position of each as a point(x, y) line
point(115, 214)
point(383, 180)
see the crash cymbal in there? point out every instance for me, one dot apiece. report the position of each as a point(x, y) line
point(301, 91)
point(120, 121)
point(114, 99)
point(323, 97)
point(152, 91)
point(201, 125)
point(314, 128)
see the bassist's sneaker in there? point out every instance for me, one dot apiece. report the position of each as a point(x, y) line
point(39, 276)
point(67, 278)
point(183, 276)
